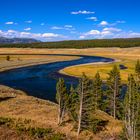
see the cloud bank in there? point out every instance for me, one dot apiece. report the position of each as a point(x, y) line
point(43, 36)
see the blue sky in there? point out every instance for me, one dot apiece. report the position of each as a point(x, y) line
point(52, 20)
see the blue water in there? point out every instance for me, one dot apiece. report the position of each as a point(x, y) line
point(40, 80)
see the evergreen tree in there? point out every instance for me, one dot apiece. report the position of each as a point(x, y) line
point(61, 97)
point(137, 67)
point(137, 71)
point(97, 92)
point(132, 110)
point(72, 104)
point(114, 83)
point(86, 107)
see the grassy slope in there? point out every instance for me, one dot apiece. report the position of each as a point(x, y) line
point(43, 114)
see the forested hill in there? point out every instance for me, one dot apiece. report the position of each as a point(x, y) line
point(79, 44)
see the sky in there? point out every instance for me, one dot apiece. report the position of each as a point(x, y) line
point(54, 20)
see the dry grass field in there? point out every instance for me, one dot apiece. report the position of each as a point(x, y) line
point(41, 113)
point(25, 59)
point(126, 57)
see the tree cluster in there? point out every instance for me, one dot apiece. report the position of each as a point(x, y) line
point(82, 102)
point(79, 44)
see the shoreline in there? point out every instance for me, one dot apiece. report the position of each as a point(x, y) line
point(62, 71)
point(23, 64)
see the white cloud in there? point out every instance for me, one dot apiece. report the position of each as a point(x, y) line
point(50, 35)
point(93, 32)
point(66, 27)
point(39, 36)
point(82, 12)
point(103, 23)
point(9, 23)
point(112, 29)
point(27, 29)
point(109, 33)
point(92, 18)
point(104, 33)
point(28, 21)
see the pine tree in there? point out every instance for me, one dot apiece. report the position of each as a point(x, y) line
point(61, 97)
point(113, 83)
point(86, 106)
point(137, 71)
point(132, 110)
point(137, 67)
point(97, 92)
point(72, 104)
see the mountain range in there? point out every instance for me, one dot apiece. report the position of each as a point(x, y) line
point(4, 40)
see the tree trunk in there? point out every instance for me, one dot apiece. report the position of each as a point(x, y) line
point(59, 112)
point(80, 111)
point(114, 99)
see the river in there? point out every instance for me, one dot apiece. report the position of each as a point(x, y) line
point(40, 80)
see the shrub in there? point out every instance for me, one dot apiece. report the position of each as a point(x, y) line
point(39, 132)
point(8, 58)
point(98, 125)
point(58, 136)
point(5, 121)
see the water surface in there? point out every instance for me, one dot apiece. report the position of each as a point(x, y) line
point(40, 80)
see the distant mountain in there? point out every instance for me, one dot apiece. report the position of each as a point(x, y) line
point(4, 40)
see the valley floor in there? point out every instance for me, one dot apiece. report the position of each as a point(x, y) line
point(43, 114)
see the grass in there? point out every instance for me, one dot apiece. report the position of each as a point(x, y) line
point(91, 69)
point(43, 114)
point(37, 118)
point(21, 126)
point(21, 60)
point(126, 57)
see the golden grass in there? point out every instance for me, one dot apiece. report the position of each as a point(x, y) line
point(91, 69)
point(43, 114)
point(126, 57)
point(27, 60)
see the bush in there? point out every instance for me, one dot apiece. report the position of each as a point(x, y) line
point(24, 127)
point(58, 136)
point(8, 58)
point(39, 132)
point(98, 125)
point(5, 121)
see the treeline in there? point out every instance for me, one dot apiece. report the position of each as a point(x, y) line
point(79, 44)
point(81, 103)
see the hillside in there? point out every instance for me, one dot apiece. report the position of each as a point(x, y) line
point(78, 44)
point(27, 117)
point(4, 40)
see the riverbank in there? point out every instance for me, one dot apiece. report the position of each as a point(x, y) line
point(126, 56)
point(18, 61)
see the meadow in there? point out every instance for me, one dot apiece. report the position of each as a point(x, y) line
point(42, 114)
point(124, 57)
